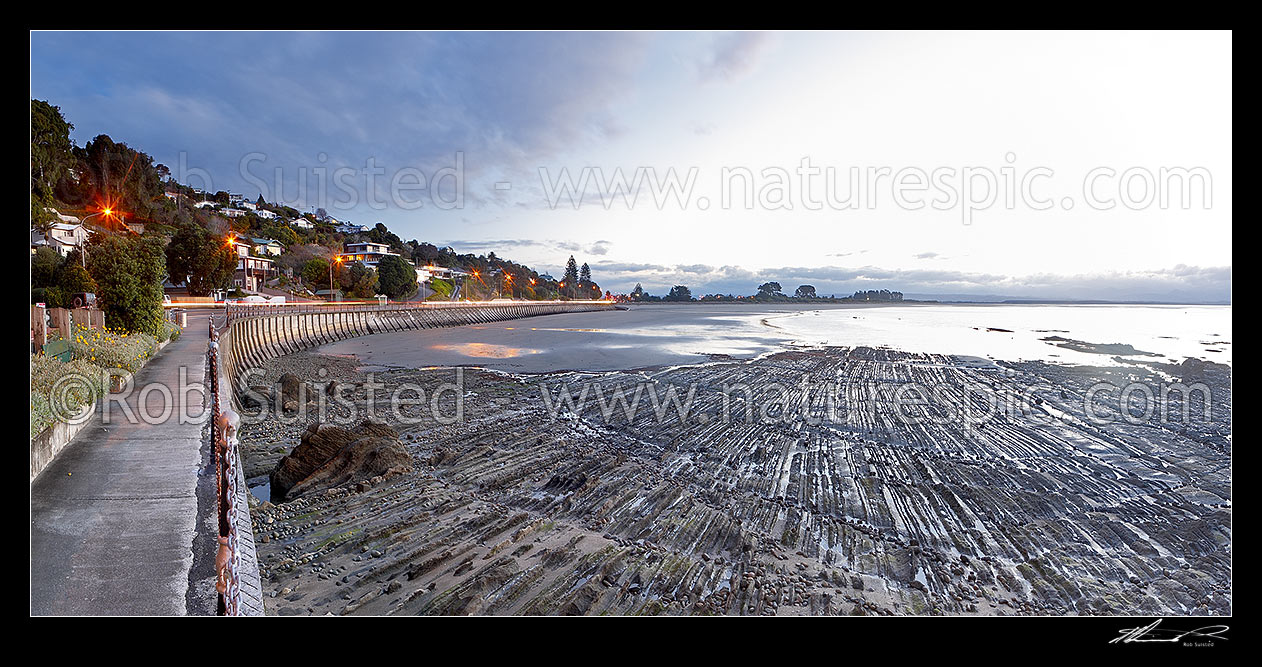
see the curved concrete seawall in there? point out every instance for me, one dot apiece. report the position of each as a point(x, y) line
point(255, 333)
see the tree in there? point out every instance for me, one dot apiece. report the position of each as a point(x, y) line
point(357, 280)
point(805, 292)
point(426, 252)
point(119, 176)
point(315, 271)
point(585, 275)
point(44, 265)
point(395, 277)
point(203, 262)
point(128, 271)
point(72, 278)
point(770, 290)
point(679, 293)
point(570, 280)
point(52, 156)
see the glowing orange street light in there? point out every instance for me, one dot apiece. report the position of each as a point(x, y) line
point(337, 259)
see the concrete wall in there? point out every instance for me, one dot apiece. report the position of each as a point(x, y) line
point(255, 335)
point(46, 445)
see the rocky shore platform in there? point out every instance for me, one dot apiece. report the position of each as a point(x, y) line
point(805, 508)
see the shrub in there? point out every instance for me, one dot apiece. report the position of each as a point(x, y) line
point(172, 331)
point(110, 348)
point(60, 388)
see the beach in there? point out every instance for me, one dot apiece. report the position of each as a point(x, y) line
point(648, 336)
point(812, 493)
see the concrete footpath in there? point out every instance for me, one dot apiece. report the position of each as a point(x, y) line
point(115, 516)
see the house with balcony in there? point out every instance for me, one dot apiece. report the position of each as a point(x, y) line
point(63, 237)
point(348, 228)
point(267, 247)
point(424, 273)
point(233, 212)
point(252, 269)
point(366, 253)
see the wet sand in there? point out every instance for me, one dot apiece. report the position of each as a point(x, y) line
point(643, 336)
point(510, 511)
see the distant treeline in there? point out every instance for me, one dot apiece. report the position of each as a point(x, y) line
point(767, 292)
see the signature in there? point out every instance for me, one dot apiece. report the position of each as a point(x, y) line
point(1154, 634)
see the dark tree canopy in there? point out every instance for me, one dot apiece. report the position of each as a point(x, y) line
point(395, 277)
point(116, 175)
point(128, 271)
point(52, 156)
point(200, 260)
point(805, 292)
point(679, 293)
point(770, 289)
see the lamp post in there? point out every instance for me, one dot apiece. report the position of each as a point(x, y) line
point(83, 249)
point(336, 260)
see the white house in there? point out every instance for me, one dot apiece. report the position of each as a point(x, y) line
point(62, 237)
point(302, 223)
point(265, 214)
point(249, 206)
point(267, 247)
point(204, 204)
point(252, 270)
point(233, 212)
point(368, 254)
point(426, 272)
point(348, 228)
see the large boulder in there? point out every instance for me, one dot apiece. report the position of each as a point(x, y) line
point(294, 393)
point(329, 456)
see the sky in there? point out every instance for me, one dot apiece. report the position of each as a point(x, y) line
point(1029, 165)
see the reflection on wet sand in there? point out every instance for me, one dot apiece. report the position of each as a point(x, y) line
point(486, 350)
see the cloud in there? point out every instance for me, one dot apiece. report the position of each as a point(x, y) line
point(503, 247)
point(1180, 283)
point(732, 56)
point(321, 100)
point(927, 255)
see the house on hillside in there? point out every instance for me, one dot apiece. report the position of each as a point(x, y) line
point(267, 247)
point(424, 273)
point(233, 212)
point(252, 269)
point(367, 253)
point(265, 214)
point(249, 206)
point(348, 228)
point(205, 203)
point(302, 223)
point(63, 237)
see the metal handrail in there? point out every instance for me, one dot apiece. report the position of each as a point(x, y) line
point(223, 432)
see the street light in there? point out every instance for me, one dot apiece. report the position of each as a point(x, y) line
point(83, 249)
point(336, 260)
